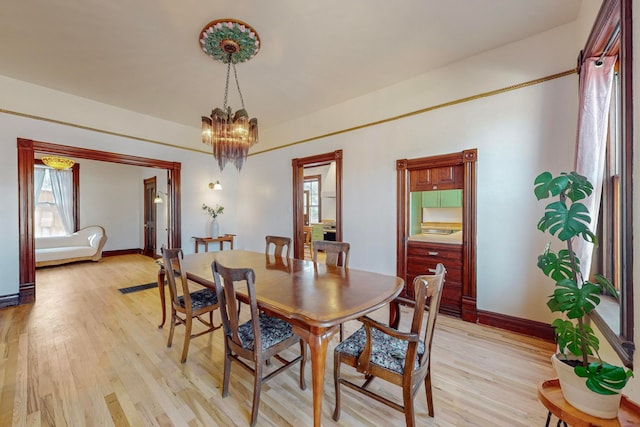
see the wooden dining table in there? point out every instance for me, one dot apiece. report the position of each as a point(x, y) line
point(314, 298)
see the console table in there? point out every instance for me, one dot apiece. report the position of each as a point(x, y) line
point(206, 240)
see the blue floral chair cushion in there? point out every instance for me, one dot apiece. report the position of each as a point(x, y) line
point(387, 352)
point(200, 299)
point(272, 331)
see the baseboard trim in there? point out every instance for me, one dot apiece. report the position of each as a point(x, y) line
point(136, 251)
point(9, 300)
point(517, 324)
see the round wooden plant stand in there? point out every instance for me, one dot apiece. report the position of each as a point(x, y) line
point(550, 395)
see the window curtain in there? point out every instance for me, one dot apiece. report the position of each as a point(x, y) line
point(62, 187)
point(38, 179)
point(591, 142)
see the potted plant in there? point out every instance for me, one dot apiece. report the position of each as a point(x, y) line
point(213, 213)
point(587, 376)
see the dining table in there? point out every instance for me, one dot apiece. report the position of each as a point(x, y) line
point(314, 298)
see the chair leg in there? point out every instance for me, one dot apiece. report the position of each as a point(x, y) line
point(303, 362)
point(427, 387)
point(187, 339)
point(341, 332)
point(172, 328)
point(409, 416)
point(257, 388)
point(336, 384)
point(227, 372)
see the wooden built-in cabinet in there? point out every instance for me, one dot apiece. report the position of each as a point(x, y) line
point(455, 171)
point(436, 178)
point(422, 258)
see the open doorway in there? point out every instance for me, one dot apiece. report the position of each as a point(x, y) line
point(326, 193)
point(26, 159)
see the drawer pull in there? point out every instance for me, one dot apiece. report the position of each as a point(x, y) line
point(433, 253)
point(431, 270)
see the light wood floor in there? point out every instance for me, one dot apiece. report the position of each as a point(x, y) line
point(86, 355)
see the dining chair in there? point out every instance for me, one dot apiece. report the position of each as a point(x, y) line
point(317, 233)
point(336, 254)
point(186, 304)
point(279, 243)
point(401, 358)
point(257, 340)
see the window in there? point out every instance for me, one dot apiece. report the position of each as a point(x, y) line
point(611, 36)
point(53, 217)
point(312, 204)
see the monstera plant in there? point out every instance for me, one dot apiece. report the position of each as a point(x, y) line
point(575, 296)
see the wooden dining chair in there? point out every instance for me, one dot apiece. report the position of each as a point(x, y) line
point(257, 340)
point(336, 254)
point(401, 358)
point(186, 304)
point(279, 243)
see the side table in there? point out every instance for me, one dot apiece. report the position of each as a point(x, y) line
point(206, 240)
point(550, 395)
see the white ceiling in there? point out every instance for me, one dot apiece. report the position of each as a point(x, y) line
point(144, 55)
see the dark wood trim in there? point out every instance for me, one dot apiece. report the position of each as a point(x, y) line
point(9, 300)
point(467, 159)
point(604, 26)
point(469, 307)
point(516, 324)
point(26, 158)
point(623, 348)
point(134, 251)
point(298, 166)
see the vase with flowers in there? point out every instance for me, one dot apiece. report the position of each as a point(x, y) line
point(213, 213)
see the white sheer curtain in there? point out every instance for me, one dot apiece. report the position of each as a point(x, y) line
point(593, 129)
point(38, 179)
point(62, 187)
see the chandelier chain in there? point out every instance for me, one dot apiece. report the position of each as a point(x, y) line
point(235, 74)
point(226, 86)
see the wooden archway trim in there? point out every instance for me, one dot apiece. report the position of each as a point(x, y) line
point(298, 166)
point(26, 203)
point(467, 159)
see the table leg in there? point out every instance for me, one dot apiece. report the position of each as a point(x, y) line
point(196, 247)
point(318, 346)
point(221, 242)
point(206, 246)
point(161, 290)
point(394, 314)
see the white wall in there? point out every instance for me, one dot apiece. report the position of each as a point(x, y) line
point(518, 134)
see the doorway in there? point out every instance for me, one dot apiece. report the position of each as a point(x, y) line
point(26, 150)
point(335, 192)
point(150, 215)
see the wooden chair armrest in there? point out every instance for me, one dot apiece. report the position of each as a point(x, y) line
point(365, 357)
point(407, 336)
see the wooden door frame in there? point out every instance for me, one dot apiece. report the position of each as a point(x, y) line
point(26, 225)
point(467, 159)
point(298, 166)
point(150, 252)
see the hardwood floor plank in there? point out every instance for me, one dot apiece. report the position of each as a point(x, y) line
point(85, 354)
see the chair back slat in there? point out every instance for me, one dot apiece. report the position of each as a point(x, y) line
point(226, 282)
point(427, 289)
point(172, 263)
point(337, 253)
point(279, 243)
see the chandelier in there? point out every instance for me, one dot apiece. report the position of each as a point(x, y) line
point(231, 135)
point(57, 162)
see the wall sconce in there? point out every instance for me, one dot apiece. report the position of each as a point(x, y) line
point(158, 199)
point(216, 185)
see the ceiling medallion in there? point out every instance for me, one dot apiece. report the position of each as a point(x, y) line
point(231, 135)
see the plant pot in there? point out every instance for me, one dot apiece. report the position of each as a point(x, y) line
point(576, 392)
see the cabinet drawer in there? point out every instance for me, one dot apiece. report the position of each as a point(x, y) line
point(430, 250)
point(418, 266)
